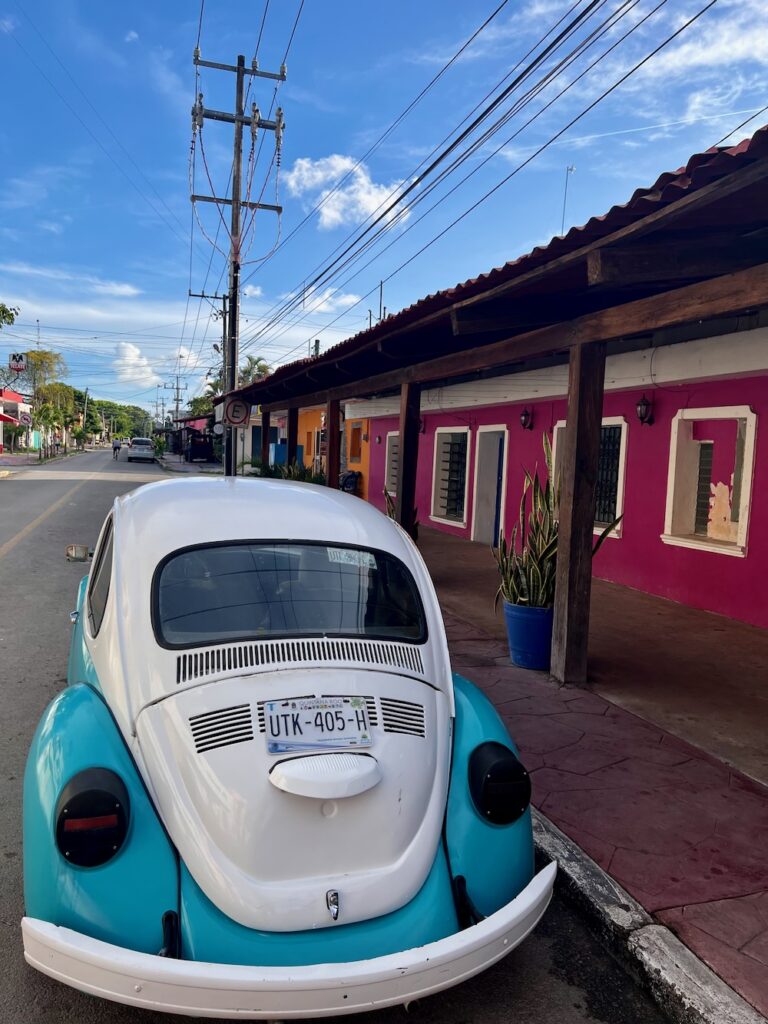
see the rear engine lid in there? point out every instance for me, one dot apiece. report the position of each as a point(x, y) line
point(302, 799)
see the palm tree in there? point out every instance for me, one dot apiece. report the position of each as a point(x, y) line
point(255, 368)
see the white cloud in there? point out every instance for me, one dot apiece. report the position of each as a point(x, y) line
point(131, 366)
point(167, 81)
point(131, 36)
point(97, 285)
point(252, 291)
point(328, 301)
point(353, 201)
point(8, 24)
point(37, 183)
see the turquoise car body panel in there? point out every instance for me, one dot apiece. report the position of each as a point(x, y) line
point(123, 900)
point(210, 936)
point(496, 860)
point(80, 666)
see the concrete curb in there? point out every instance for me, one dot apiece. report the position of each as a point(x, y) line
point(685, 989)
point(4, 473)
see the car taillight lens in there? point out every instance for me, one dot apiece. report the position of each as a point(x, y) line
point(92, 816)
point(499, 784)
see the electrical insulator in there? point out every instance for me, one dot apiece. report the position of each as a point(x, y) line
point(255, 118)
point(198, 111)
point(279, 127)
point(254, 65)
point(196, 54)
point(283, 70)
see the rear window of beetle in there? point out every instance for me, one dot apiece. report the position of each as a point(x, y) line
point(226, 592)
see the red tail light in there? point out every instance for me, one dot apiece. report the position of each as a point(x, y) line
point(91, 824)
point(92, 817)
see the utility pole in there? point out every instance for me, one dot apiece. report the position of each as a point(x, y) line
point(223, 299)
point(178, 389)
point(199, 114)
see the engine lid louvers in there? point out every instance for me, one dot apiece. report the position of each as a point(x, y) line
point(247, 657)
point(221, 728)
point(402, 716)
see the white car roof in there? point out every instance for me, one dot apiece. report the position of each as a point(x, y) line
point(157, 519)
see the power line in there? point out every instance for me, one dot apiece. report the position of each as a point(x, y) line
point(740, 126)
point(544, 146)
point(404, 210)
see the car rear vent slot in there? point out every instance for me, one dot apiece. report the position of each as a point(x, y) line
point(402, 716)
point(221, 728)
point(242, 657)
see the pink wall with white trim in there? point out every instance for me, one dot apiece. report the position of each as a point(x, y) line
point(732, 586)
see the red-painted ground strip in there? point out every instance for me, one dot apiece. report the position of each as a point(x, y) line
point(682, 832)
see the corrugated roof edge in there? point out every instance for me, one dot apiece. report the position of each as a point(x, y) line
point(700, 170)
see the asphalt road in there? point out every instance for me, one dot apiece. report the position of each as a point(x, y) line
point(560, 975)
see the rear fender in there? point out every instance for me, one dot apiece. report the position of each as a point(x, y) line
point(123, 900)
point(496, 860)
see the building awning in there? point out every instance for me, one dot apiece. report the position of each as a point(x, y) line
point(5, 418)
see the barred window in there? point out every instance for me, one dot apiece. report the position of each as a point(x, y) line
point(450, 475)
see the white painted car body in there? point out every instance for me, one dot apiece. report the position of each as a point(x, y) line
point(217, 812)
point(287, 993)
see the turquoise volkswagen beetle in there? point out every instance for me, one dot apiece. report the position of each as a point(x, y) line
point(263, 793)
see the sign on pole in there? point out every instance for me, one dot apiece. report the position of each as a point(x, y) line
point(236, 412)
point(17, 362)
point(25, 419)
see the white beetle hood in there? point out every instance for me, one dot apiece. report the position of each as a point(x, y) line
point(270, 837)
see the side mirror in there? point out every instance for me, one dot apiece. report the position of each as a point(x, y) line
point(78, 553)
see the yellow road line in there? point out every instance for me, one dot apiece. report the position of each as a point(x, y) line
point(25, 532)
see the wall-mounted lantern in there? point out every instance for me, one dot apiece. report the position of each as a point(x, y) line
point(645, 411)
point(526, 419)
point(422, 426)
point(378, 439)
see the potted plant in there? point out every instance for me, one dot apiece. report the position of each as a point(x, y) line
point(527, 569)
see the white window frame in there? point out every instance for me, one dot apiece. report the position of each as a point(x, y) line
point(606, 421)
point(391, 433)
point(680, 467)
point(460, 523)
point(499, 428)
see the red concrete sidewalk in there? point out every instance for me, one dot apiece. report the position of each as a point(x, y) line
point(682, 832)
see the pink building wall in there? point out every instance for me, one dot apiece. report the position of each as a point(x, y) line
point(731, 586)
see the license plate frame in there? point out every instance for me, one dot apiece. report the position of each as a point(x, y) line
point(303, 724)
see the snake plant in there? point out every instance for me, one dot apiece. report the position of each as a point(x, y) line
point(527, 563)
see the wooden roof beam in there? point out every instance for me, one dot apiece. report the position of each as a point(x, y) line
point(669, 262)
point(660, 218)
point(731, 293)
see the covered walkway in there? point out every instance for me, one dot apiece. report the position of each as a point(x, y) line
point(698, 675)
point(681, 830)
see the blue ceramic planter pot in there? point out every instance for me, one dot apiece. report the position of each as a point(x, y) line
point(529, 631)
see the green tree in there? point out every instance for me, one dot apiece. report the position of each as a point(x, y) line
point(254, 368)
point(202, 405)
point(8, 315)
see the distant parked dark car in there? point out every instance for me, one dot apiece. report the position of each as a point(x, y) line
point(141, 448)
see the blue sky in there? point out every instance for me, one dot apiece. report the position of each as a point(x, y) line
point(95, 217)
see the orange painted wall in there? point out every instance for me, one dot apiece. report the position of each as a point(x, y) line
point(362, 465)
point(309, 422)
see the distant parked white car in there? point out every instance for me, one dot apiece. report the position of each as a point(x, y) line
point(142, 449)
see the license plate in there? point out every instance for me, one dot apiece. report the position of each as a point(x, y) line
point(316, 723)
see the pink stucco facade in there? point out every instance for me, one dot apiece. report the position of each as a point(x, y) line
point(706, 579)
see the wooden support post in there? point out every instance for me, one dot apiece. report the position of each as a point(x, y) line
point(333, 434)
point(265, 438)
point(293, 435)
point(410, 407)
point(578, 477)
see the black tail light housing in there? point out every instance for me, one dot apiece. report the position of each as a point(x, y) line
point(92, 816)
point(498, 783)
